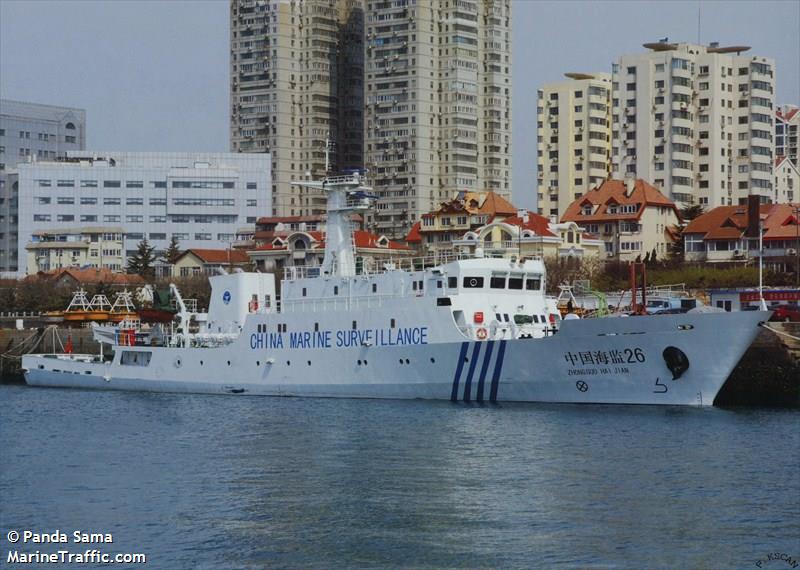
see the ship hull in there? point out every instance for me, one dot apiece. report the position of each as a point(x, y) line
point(618, 360)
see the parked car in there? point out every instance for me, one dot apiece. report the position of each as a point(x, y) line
point(786, 313)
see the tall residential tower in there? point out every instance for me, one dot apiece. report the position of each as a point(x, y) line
point(438, 104)
point(297, 82)
point(696, 121)
point(574, 139)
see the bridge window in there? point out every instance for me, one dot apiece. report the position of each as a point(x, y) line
point(515, 282)
point(335, 289)
point(497, 283)
point(374, 287)
point(473, 282)
point(304, 291)
point(533, 284)
point(452, 282)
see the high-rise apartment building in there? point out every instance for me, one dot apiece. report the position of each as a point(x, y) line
point(574, 139)
point(438, 104)
point(297, 82)
point(787, 129)
point(695, 121)
point(28, 132)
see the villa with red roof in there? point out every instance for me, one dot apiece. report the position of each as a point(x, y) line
point(528, 234)
point(787, 181)
point(718, 236)
point(631, 217)
point(437, 230)
point(198, 261)
point(787, 130)
point(307, 248)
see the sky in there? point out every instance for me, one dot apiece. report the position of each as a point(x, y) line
point(153, 74)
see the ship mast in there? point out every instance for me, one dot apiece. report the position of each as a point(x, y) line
point(346, 195)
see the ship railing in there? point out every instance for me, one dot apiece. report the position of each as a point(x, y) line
point(395, 262)
point(343, 179)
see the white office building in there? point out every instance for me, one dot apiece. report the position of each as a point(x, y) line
point(696, 121)
point(31, 131)
point(202, 199)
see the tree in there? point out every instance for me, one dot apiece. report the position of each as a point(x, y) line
point(142, 262)
point(173, 251)
point(676, 248)
point(690, 212)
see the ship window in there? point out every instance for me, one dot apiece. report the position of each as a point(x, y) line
point(497, 283)
point(304, 291)
point(335, 289)
point(414, 285)
point(392, 323)
point(316, 327)
point(498, 318)
point(536, 319)
point(267, 299)
point(523, 319)
point(355, 325)
point(533, 284)
point(374, 287)
point(439, 284)
point(452, 282)
point(131, 358)
point(505, 317)
point(515, 282)
point(420, 287)
point(473, 282)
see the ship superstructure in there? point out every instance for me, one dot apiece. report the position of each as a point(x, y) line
point(466, 329)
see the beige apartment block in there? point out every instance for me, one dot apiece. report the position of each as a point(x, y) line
point(574, 139)
point(98, 247)
point(297, 82)
point(438, 104)
point(696, 121)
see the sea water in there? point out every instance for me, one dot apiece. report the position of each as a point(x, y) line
point(252, 482)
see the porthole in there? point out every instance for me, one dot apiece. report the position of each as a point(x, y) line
point(258, 363)
point(408, 361)
point(365, 363)
point(401, 361)
point(309, 363)
point(433, 359)
point(288, 363)
point(201, 363)
point(359, 363)
point(229, 363)
point(466, 359)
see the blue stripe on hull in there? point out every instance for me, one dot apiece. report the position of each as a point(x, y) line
point(498, 367)
point(472, 365)
point(459, 368)
point(486, 359)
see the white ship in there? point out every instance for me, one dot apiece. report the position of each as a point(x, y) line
point(471, 330)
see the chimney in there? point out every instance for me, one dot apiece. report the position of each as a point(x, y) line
point(753, 216)
point(630, 184)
